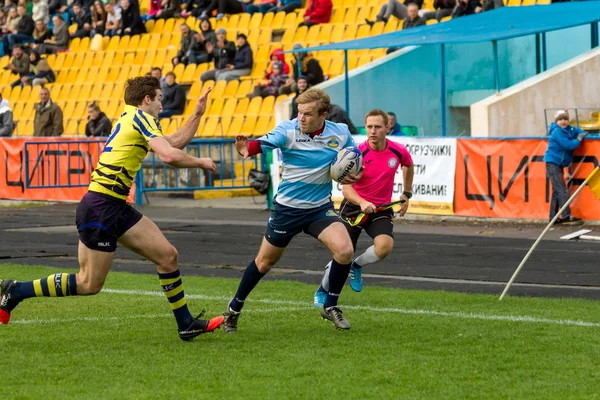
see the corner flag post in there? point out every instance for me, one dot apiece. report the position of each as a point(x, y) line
point(594, 185)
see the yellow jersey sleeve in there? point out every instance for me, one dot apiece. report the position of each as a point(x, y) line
point(147, 126)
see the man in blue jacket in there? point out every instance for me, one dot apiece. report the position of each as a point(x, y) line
point(242, 63)
point(563, 140)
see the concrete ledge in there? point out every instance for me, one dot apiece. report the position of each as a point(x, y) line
point(224, 193)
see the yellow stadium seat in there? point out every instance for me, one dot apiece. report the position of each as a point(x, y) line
point(27, 129)
point(17, 110)
point(135, 71)
point(71, 128)
point(431, 22)
point(103, 73)
point(169, 26)
point(377, 29)
point(178, 71)
point(337, 34)
point(80, 109)
point(84, 44)
point(69, 108)
point(112, 111)
point(243, 89)
point(62, 93)
point(258, 71)
point(241, 107)
point(68, 62)
point(262, 54)
point(364, 13)
point(218, 90)
point(231, 89)
point(210, 128)
point(113, 43)
point(363, 31)
point(194, 92)
point(105, 40)
point(254, 106)
point(231, 23)
point(244, 22)
point(300, 16)
point(350, 32)
point(74, 44)
point(188, 74)
point(216, 107)
point(175, 41)
point(58, 62)
point(528, 3)
point(350, 17)
point(96, 91)
point(281, 97)
point(337, 67)
point(24, 95)
point(189, 108)
point(78, 60)
point(363, 60)
point(448, 18)
point(313, 35)
point(275, 21)
point(81, 75)
point(514, 3)
point(81, 127)
point(151, 25)
point(201, 126)
point(159, 58)
point(289, 21)
point(229, 107)
point(324, 33)
point(134, 42)
point(140, 57)
point(300, 34)
point(106, 93)
point(5, 78)
point(265, 37)
point(144, 42)
point(86, 90)
point(255, 21)
point(268, 106)
point(337, 17)
point(391, 25)
point(543, 2)
point(4, 61)
point(96, 44)
point(28, 111)
point(72, 76)
point(154, 40)
point(235, 127)
point(248, 126)
point(209, 83)
point(123, 43)
point(35, 93)
point(123, 73)
point(288, 36)
point(262, 125)
point(165, 41)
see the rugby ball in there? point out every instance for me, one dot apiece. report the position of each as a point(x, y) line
point(348, 161)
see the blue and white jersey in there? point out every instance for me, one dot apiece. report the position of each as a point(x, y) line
point(306, 181)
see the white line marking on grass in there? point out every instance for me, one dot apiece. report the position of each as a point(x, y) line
point(452, 314)
point(138, 316)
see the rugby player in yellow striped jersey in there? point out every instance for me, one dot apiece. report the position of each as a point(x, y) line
point(104, 218)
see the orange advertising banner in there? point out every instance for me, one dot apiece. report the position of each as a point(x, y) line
point(55, 169)
point(507, 179)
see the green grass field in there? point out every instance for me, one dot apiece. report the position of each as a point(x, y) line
point(122, 344)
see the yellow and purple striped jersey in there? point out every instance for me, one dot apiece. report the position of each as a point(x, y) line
point(124, 152)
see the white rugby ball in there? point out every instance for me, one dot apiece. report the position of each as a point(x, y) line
point(348, 161)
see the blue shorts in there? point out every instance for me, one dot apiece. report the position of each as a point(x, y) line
point(286, 222)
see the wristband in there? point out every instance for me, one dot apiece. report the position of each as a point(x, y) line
point(407, 194)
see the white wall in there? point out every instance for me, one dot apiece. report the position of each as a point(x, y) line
point(519, 110)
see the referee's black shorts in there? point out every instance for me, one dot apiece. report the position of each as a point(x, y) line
point(380, 223)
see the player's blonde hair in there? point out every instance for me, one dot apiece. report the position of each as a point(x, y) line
point(377, 113)
point(318, 95)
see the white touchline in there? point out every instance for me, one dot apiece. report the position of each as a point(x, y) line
point(453, 314)
point(139, 316)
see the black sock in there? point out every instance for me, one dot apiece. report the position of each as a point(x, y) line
point(337, 278)
point(251, 277)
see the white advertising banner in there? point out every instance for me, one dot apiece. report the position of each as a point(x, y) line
point(433, 184)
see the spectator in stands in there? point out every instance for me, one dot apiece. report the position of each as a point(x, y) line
point(443, 8)
point(466, 7)
point(173, 100)
point(131, 22)
point(154, 9)
point(310, 68)
point(57, 6)
point(3, 18)
point(48, 120)
point(40, 34)
point(393, 7)
point(338, 115)
point(302, 86)
point(187, 39)
point(223, 7)
point(24, 32)
point(222, 52)
point(492, 4)
point(276, 80)
point(277, 56)
point(287, 6)
point(198, 53)
point(99, 17)
point(7, 124)
point(263, 6)
point(40, 11)
point(207, 31)
point(317, 12)
point(394, 128)
point(157, 73)
point(413, 19)
point(98, 123)
point(242, 62)
point(12, 22)
point(19, 65)
point(563, 141)
point(195, 8)
point(40, 72)
point(168, 9)
point(113, 19)
point(61, 37)
point(83, 20)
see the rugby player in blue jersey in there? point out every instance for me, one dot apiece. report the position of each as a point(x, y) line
point(303, 202)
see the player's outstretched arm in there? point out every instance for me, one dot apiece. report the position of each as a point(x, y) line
point(178, 158)
point(353, 197)
point(186, 133)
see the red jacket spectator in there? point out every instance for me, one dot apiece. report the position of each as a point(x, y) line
point(281, 58)
point(319, 11)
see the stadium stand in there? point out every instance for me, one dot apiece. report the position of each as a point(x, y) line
point(96, 69)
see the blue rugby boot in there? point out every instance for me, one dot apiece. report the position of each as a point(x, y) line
point(356, 282)
point(320, 297)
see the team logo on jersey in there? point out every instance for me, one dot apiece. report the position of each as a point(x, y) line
point(331, 213)
point(392, 162)
point(333, 142)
